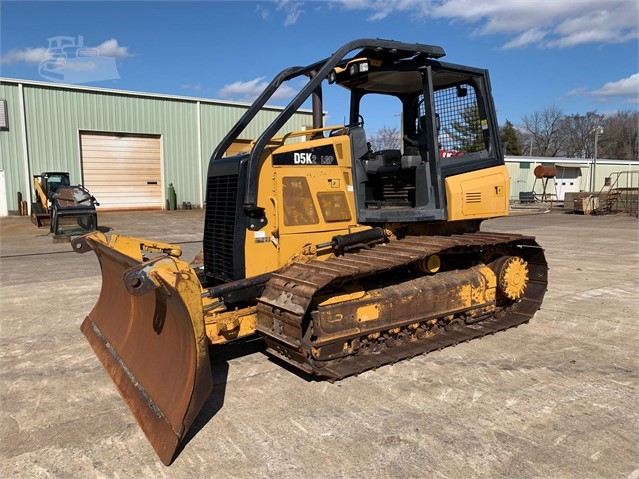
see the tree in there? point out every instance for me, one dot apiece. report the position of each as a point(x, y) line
point(466, 132)
point(620, 139)
point(548, 131)
point(387, 138)
point(545, 130)
point(579, 134)
point(510, 139)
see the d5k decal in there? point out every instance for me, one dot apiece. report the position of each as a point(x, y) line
point(320, 155)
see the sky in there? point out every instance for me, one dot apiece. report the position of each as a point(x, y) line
point(576, 55)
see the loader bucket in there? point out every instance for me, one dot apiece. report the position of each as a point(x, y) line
point(147, 329)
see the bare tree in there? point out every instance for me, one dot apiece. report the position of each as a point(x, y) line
point(548, 132)
point(579, 134)
point(545, 128)
point(387, 138)
point(620, 139)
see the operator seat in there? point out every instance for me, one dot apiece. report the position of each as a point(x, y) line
point(360, 149)
point(359, 145)
point(55, 182)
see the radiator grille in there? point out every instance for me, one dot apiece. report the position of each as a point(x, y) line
point(221, 205)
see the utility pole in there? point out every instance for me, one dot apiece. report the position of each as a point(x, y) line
point(593, 177)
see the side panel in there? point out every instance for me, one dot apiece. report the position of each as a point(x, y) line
point(478, 194)
point(306, 189)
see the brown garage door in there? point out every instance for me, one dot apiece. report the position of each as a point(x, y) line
point(122, 171)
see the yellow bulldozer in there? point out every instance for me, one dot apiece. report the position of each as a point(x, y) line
point(342, 258)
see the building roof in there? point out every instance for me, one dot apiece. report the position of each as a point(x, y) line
point(568, 162)
point(66, 86)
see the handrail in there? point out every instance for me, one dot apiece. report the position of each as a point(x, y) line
point(294, 134)
point(317, 73)
point(617, 192)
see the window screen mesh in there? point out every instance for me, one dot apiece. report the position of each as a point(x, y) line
point(460, 128)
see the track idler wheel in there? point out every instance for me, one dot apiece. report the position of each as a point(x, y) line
point(512, 276)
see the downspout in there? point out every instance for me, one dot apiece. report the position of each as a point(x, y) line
point(200, 177)
point(25, 148)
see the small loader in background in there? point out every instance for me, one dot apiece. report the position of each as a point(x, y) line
point(341, 258)
point(67, 209)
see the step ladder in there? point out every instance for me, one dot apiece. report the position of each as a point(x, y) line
point(609, 201)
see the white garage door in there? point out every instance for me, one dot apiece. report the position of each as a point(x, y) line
point(122, 172)
point(568, 180)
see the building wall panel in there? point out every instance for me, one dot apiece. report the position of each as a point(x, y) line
point(522, 178)
point(60, 115)
point(217, 120)
point(57, 114)
point(11, 149)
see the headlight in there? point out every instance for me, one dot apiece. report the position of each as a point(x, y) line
point(355, 68)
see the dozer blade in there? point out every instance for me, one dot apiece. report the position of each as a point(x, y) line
point(147, 329)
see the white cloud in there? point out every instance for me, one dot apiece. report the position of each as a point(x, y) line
point(262, 12)
point(534, 35)
point(292, 9)
point(33, 56)
point(616, 24)
point(243, 91)
point(250, 90)
point(111, 48)
point(626, 87)
point(23, 55)
point(543, 23)
point(577, 91)
point(381, 9)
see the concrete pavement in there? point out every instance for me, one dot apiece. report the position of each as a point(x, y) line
point(556, 398)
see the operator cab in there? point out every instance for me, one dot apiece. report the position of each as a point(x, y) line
point(445, 129)
point(53, 181)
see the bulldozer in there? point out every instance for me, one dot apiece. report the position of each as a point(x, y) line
point(67, 209)
point(343, 259)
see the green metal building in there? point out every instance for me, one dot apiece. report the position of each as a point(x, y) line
point(573, 175)
point(126, 147)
